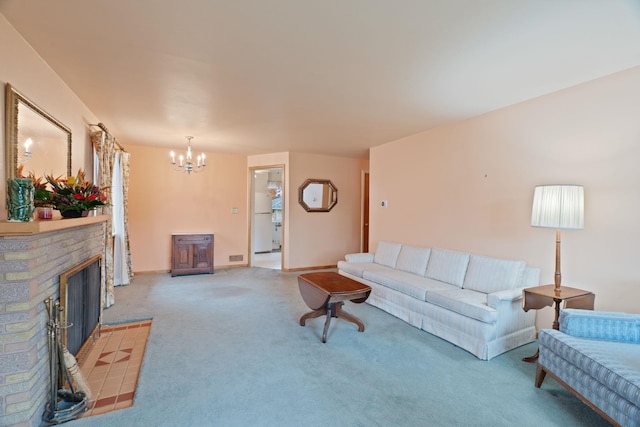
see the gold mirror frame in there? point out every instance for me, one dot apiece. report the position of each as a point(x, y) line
point(317, 195)
point(14, 100)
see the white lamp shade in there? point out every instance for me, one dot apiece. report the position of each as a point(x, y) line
point(558, 206)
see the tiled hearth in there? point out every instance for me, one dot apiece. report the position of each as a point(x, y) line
point(32, 257)
point(111, 365)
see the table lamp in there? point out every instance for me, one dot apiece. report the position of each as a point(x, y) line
point(560, 207)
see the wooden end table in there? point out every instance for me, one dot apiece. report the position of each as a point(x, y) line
point(545, 296)
point(325, 293)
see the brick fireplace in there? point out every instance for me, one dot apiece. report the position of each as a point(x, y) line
point(32, 257)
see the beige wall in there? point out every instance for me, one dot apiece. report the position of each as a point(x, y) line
point(469, 186)
point(323, 238)
point(318, 239)
point(163, 201)
point(30, 75)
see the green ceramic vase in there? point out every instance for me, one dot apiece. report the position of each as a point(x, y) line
point(20, 199)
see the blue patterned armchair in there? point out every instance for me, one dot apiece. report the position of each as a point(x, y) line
point(596, 356)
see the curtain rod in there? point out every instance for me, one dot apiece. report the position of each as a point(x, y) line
point(104, 129)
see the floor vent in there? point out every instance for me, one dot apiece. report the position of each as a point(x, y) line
point(235, 258)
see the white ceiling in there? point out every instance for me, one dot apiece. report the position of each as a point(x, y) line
point(332, 77)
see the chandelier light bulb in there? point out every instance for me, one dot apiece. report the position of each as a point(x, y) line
point(27, 150)
point(185, 163)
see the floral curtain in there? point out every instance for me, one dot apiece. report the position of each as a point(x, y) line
point(120, 189)
point(104, 145)
point(126, 161)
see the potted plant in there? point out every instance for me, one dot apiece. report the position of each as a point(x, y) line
point(75, 196)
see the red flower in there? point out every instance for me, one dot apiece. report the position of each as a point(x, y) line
point(78, 196)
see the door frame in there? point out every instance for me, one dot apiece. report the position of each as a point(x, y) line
point(252, 170)
point(364, 210)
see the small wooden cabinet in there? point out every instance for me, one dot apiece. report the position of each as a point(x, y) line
point(191, 254)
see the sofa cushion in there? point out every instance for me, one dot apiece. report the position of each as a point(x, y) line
point(413, 259)
point(487, 275)
point(464, 301)
point(612, 364)
point(601, 325)
point(407, 283)
point(359, 257)
point(447, 266)
point(358, 268)
point(387, 253)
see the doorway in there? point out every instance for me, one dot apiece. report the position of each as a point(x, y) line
point(267, 219)
point(364, 245)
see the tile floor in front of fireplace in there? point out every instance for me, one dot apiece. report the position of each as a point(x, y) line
point(111, 365)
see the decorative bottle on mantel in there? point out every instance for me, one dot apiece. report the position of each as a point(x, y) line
point(20, 199)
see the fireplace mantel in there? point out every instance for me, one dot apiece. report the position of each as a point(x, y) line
point(44, 226)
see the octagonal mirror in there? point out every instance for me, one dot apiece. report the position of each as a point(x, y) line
point(318, 195)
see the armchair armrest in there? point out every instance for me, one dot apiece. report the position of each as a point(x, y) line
point(510, 295)
point(361, 257)
point(600, 325)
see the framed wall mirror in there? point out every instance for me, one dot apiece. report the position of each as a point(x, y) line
point(317, 195)
point(34, 139)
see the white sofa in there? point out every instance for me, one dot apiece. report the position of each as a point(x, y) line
point(472, 301)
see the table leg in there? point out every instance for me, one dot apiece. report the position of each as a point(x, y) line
point(349, 317)
point(330, 313)
point(312, 314)
point(555, 325)
point(532, 358)
point(317, 313)
point(333, 309)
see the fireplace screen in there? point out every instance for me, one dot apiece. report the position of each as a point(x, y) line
point(80, 299)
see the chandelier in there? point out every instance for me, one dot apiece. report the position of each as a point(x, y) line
point(185, 163)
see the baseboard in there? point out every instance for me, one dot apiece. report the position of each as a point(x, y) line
point(215, 267)
point(319, 267)
point(226, 267)
point(140, 273)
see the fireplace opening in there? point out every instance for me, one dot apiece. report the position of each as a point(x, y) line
point(80, 298)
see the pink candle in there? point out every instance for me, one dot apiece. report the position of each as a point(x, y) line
point(45, 213)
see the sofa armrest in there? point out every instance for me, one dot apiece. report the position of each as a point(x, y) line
point(600, 325)
point(494, 298)
point(361, 257)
